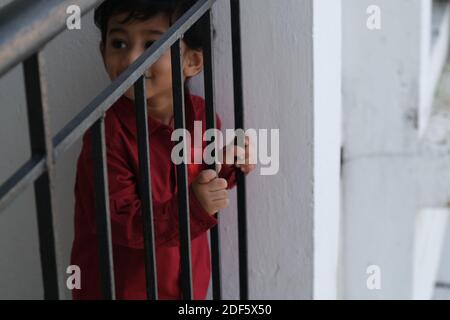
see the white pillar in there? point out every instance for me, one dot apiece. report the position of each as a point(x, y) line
point(327, 145)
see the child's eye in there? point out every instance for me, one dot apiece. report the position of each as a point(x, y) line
point(118, 44)
point(149, 44)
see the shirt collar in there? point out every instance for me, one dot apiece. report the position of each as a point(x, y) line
point(126, 112)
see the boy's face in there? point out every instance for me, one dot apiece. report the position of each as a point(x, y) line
point(126, 42)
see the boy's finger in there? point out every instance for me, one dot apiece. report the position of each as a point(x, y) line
point(230, 153)
point(218, 184)
point(219, 195)
point(222, 204)
point(237, 153)
point(247, 140)
point(206, 176)
point(244, 162)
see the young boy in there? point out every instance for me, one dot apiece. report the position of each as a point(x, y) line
point(128, 28)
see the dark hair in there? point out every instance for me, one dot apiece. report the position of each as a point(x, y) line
point(146, 9)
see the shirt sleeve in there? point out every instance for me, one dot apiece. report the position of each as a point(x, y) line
point(125, 205)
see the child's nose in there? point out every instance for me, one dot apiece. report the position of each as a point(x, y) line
point(131, 57)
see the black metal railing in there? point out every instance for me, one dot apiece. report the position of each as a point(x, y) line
point(25, 27)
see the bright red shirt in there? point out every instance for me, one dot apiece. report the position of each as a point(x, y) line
point(125, 209)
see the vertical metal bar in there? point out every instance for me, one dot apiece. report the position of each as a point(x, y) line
point(239, 124)
point(145, 187)
point(102, 209)
point(211, 124)
point(182, 178)
point(41, 144)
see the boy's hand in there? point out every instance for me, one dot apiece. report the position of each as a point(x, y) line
point(241, 158)
point(211, 191)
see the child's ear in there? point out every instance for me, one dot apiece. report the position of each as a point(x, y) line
point(193, 63)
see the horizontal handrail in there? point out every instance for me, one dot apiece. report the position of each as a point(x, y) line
point(20, 180)
point(26, 26)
